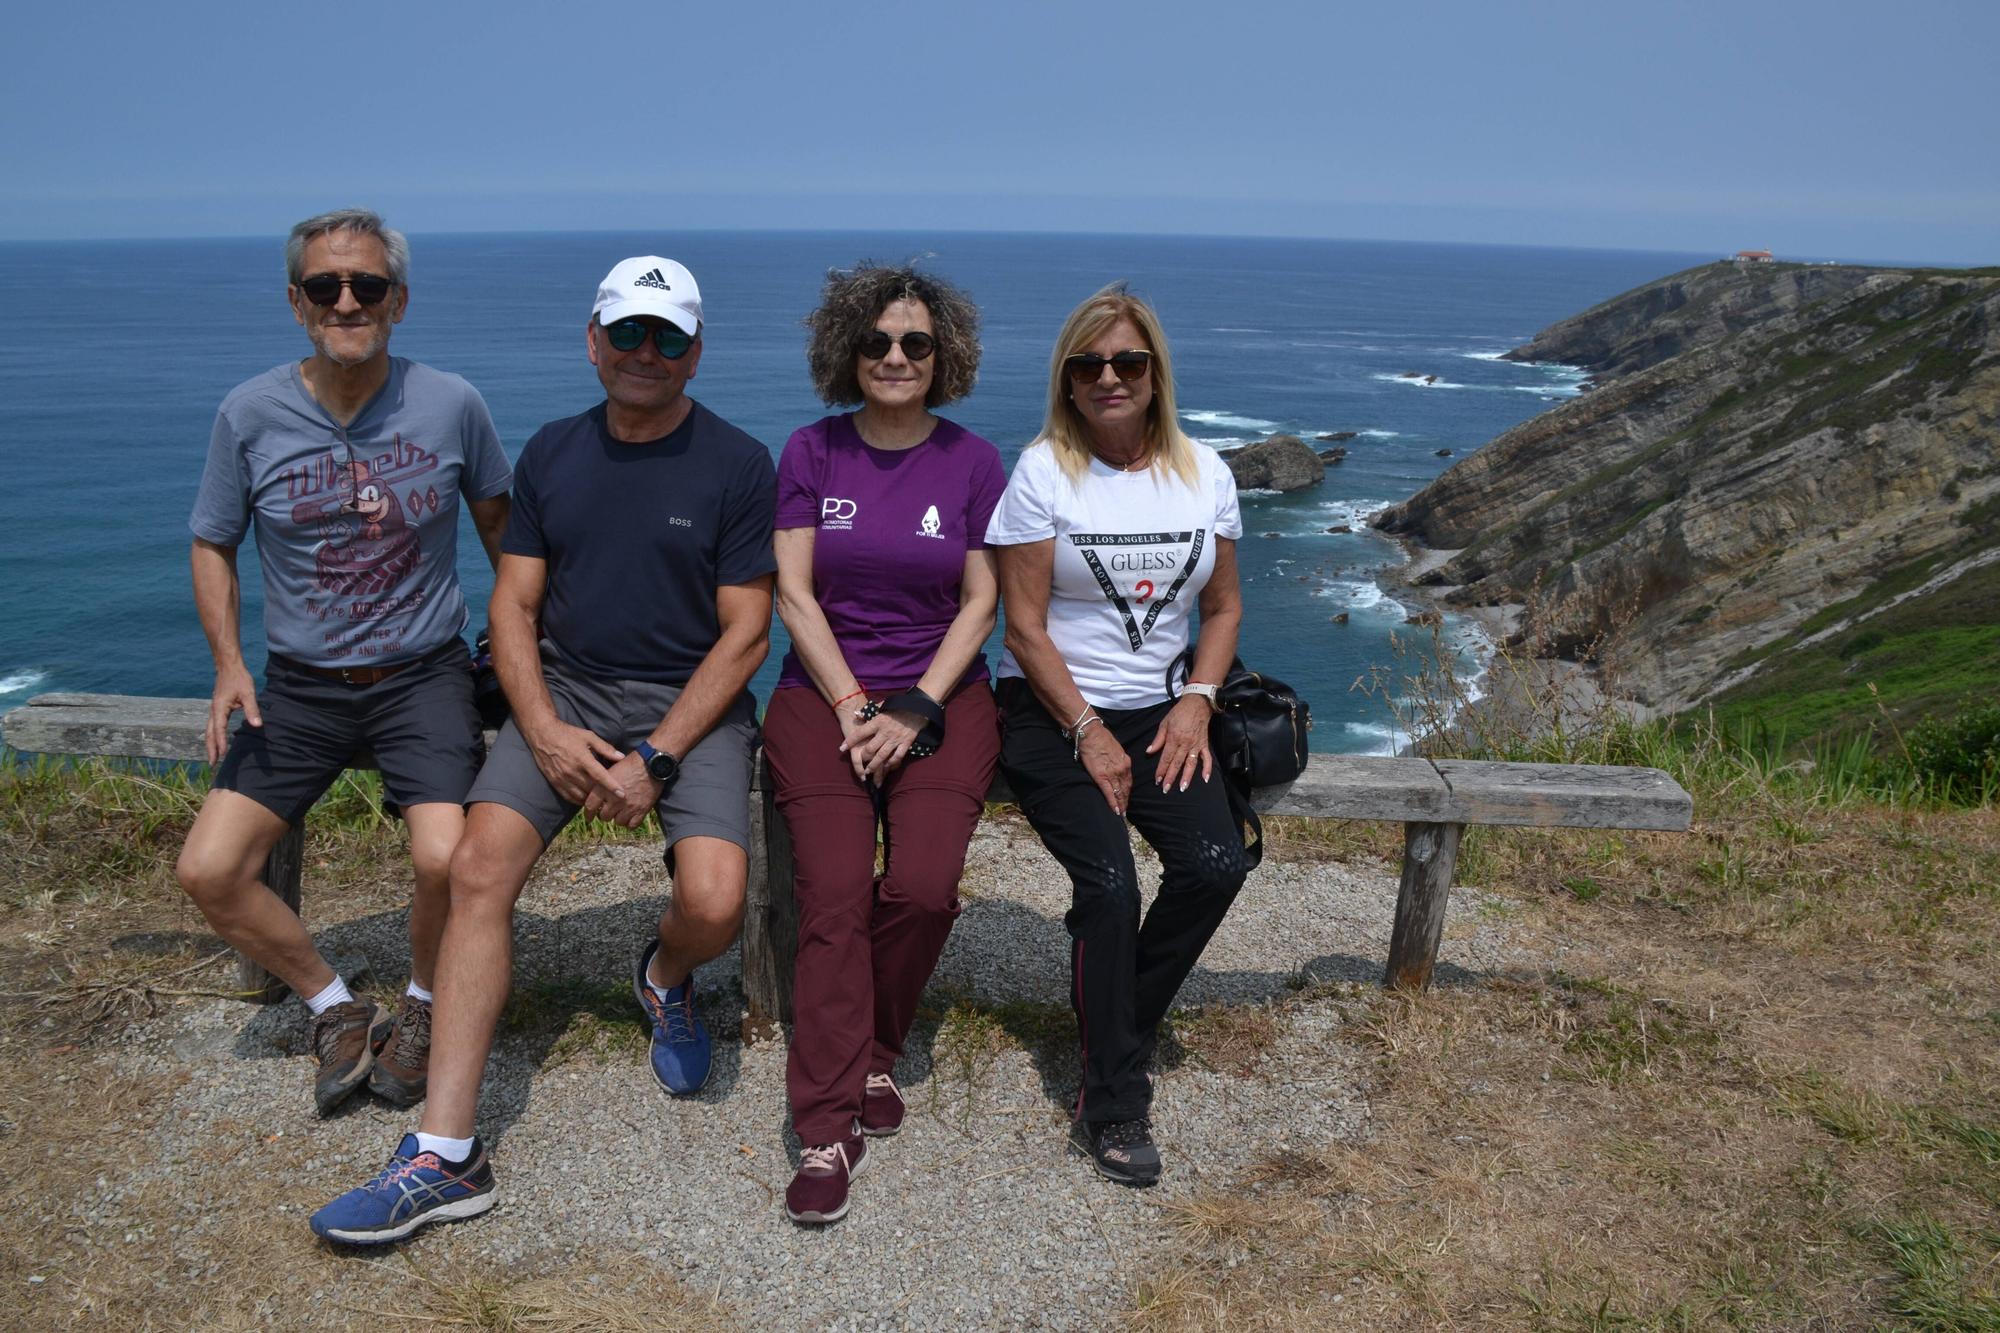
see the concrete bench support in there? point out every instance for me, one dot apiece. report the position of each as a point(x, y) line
point(1434, 801)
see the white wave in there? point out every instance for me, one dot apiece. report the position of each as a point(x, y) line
point(1380, 434)
point(1482, 356)
point(1257, 492)
point(1545, 390)
point(21, 680)
point(1421, 382)
point(1361, 597)
point(1229, 419)
point(1380, 739)
point(1220, 441)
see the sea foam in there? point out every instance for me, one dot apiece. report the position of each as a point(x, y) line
point(17, 681)
point(1230, 420)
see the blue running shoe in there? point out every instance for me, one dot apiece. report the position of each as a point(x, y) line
point(680, 1051)
point(415, 1189)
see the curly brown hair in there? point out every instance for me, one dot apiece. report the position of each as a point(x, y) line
point(855, 298)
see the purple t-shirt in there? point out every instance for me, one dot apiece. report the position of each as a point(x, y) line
point(893, 529)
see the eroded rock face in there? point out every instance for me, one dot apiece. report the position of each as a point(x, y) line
point(1281, 463)
point(1818, 431)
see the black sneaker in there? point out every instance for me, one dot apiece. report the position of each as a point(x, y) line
point(1121, 1150)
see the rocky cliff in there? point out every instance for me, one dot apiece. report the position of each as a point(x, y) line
point(1771, 449)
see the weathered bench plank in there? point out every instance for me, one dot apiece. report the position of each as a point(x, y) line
point(1433, 800)
point(1564, 795)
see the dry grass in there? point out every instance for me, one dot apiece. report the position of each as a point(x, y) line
point(1763, 1091)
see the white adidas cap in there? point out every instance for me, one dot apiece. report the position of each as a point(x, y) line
point(649, 285)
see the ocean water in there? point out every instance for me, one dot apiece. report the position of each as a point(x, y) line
point(113, 357)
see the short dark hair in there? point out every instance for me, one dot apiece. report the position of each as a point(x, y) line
point(848, 308)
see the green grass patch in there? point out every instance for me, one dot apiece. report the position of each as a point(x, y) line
point(1946, 1281)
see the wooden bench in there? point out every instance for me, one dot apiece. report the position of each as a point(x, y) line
point(1433, 799)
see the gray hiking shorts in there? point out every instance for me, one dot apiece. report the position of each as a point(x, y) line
point(711, 798)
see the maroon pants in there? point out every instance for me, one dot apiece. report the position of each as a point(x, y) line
point(868, 942)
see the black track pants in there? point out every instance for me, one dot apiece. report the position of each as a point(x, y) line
point(1124, 974)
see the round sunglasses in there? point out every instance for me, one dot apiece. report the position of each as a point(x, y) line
point(627, 334)
point(916, 346)
point(1088, 367)
point(324, 288)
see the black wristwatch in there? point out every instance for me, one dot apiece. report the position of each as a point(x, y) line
point(661, 767)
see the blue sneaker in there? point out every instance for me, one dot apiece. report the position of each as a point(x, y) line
point(680, 1051)
point(415, 1189)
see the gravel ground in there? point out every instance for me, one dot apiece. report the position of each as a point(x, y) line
point(974, 1215)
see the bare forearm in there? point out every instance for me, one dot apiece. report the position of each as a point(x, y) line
point(489, 519)
point(1047, 673)
point(517, 659)
point(218, 602)
point(1216, 648)
point(812, 639)
point(962, 642)
point(713, 687)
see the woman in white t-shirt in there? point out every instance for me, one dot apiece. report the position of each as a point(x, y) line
point(1112, 529)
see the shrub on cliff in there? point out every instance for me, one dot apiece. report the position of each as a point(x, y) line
point(1959, 757)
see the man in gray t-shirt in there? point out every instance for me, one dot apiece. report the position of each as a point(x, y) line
point(349, 465)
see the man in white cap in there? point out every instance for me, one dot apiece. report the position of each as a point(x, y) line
point(640, 544)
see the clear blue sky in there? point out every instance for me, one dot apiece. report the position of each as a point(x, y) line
point(1838, 128)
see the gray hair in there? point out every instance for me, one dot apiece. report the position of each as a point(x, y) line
point(361, 220)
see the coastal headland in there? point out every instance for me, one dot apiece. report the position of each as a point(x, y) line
point(1768, 457)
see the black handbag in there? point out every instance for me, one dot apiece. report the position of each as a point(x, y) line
point(1258, 735)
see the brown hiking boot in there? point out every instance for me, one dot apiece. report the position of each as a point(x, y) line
point(402, 1065)
point(344, 1039)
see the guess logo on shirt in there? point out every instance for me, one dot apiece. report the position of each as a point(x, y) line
point(1164, 561)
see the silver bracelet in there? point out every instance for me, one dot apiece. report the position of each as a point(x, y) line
point(1076, 737)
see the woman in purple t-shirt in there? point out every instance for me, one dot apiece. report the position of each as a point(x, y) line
point(882, 713)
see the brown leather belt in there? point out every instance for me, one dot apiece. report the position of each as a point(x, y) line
point(365, 675)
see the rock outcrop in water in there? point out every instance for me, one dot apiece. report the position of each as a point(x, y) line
point(1770, 446)
point(1281, 463)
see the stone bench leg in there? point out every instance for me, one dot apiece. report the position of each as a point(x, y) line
point(1429, 853)
point(282, 872)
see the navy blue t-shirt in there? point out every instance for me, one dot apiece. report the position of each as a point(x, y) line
point(639, 536)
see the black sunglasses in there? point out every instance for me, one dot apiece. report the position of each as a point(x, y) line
point(627, 334)
point(875, 345)
point(1088, 367)
point(324, 288)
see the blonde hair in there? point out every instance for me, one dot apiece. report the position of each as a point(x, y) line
point(1064, 426)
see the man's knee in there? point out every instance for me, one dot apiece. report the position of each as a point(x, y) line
point(710, 877)
point(212, 878)
point(489, 864)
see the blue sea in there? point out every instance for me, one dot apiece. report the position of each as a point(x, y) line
point(113, 357)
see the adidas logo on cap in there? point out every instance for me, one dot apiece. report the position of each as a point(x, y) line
point(653, 279)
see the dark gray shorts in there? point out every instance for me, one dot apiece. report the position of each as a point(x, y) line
point(420, 724)
point(711, 798)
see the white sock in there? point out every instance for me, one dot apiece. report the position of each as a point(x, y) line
point(655, 986)
point(452, 1150)
point(337, 993)
point(417, 992)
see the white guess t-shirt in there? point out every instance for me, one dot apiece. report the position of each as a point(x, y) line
point(1132, 552)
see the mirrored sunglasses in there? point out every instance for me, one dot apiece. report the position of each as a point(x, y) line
point(626, 335)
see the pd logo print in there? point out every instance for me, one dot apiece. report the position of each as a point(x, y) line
point(835, 515)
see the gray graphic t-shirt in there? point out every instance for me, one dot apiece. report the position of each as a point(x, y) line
point(357, 526)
